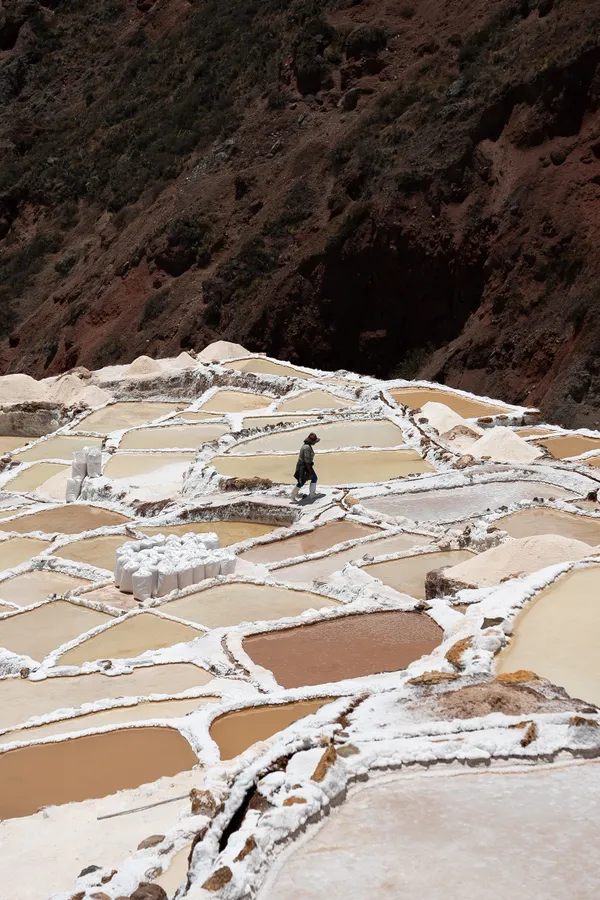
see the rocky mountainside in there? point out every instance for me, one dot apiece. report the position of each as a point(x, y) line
point(408, 187)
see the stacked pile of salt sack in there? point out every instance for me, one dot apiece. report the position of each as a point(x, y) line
point(85, 462)
point(158, 565)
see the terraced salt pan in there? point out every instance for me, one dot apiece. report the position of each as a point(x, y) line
point(261, 366)
point(130, 638)
point(177, 872)
point(18, 550)
point(407, 575)
point(229, 532)
point(73, 518)
point(314, 400)
point(34, 477)
point(234, 732)
point(230, 604)
point(84, 767)
point(155, 709)
point(465, 406)
point(31, 587)
point(37, 632)
point(321, 538)
point(370, 433)
point(274, 419)
point(456, 503)
point(486, 835)
point(322, 568)
point(235, 401)
point(528, 522)
point(565, 445)
point(96, 551)
point(558, 633)
point(132, 466)
point(8, 443)
point(344, 467)
point(126, 415)
point(57, 447)
point(346, 647)
point(176, 436)
point(21, 698)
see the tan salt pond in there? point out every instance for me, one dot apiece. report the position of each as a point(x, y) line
point(73, 518)
point(132, 465)
point(261, 366)
point(30, 587)
point(96, 551)
point(176, 873)
point(8, 443)
point(317, 569)
point(321, 538)
point(551, 521)
point(126, 415)
point(58, 447)
point(234, 732)
point(130, 638)
point(274, 419)
point(230, 604)
point(345, 467)
point(314, 400)
point(407, 575)
point(37, 632)
point(176, 436)
point(18, 550)
point(565, 445)
point(34, 476)
point(558, 633)
point(371, 433)
point(464, 406)
point(236, 401)
point(84, 767)
point(154, 709)
point(228, 532)
point(346, 647)
point(21, 698)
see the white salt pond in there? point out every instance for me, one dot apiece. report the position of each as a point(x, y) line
point(235, 401)
point(175, 436)
point(528, 522)
point(135, 466)
point(121, 415)
point(466, 407)
point(57, 447)
point(321, 538)
point(273, 419)
point(37, 632)
point(314, 400)
point(407, 575)
point(486, 835)
point(363, 433)
point(30, 587)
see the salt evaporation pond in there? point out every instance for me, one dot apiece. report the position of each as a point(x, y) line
point(234, 732)
point(176, 873)
point(563, 445)
point(8, 443)
point(72, 519)
point(346, 467)
point(35, 476)
point(465, 406)
point(364, 433)
point(122, 415)
point(229, 532)
point(84, 767)
point(15, 551)
point(37, 632)
point(30, 587)
point(486, 835)
point(129, 638)
point(57, 447)
point(314, 400)
point(95, 551)
point(558, 633)
point(407, 575)
point(129, 466)
point(230, 604)
point(528, 522)
point(22, 698)
point(235, 401)
point(176, 436)
point(321, 538)
point(457, 503)
point(346, 647)
point(273, 419)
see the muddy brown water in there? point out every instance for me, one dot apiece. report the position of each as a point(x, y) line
point(30, 587)
point(314, 400)
point(371, 433)
point(8, 443)
point(235, 401)
point(69, 519)
point(97, 551)
point(562, 446)
point(84, 768)
point(407, 575)
point(37, 632)
point(266, 367)
point(311, 542)
point(126, 415)
point(558, 633)
point(464, 406)
point(130, 638)
point(21, 698)
point(34, 477)
point(230, 604)
point(316, 569)
point(346, 647)
point(234, 732)
point(58, 447)
point(176, 436)
point(228, 532)
point(529, 522)
point(344, 467)
point(18, 550)
point(132, 465)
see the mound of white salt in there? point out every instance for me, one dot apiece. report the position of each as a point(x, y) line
point(221, 350)
point(93, 396)
point(67, 389)
point(517, 556)
point(503, 445)
point(460, 438)
point(444, 419)
point(143, 365)
point(183, 361)
point(20, 388)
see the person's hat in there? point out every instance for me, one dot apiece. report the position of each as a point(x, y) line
point(313, 438)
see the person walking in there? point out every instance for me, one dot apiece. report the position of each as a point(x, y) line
point(305, 469)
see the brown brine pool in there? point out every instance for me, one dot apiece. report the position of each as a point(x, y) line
point(407, 575)
point(234, 732)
